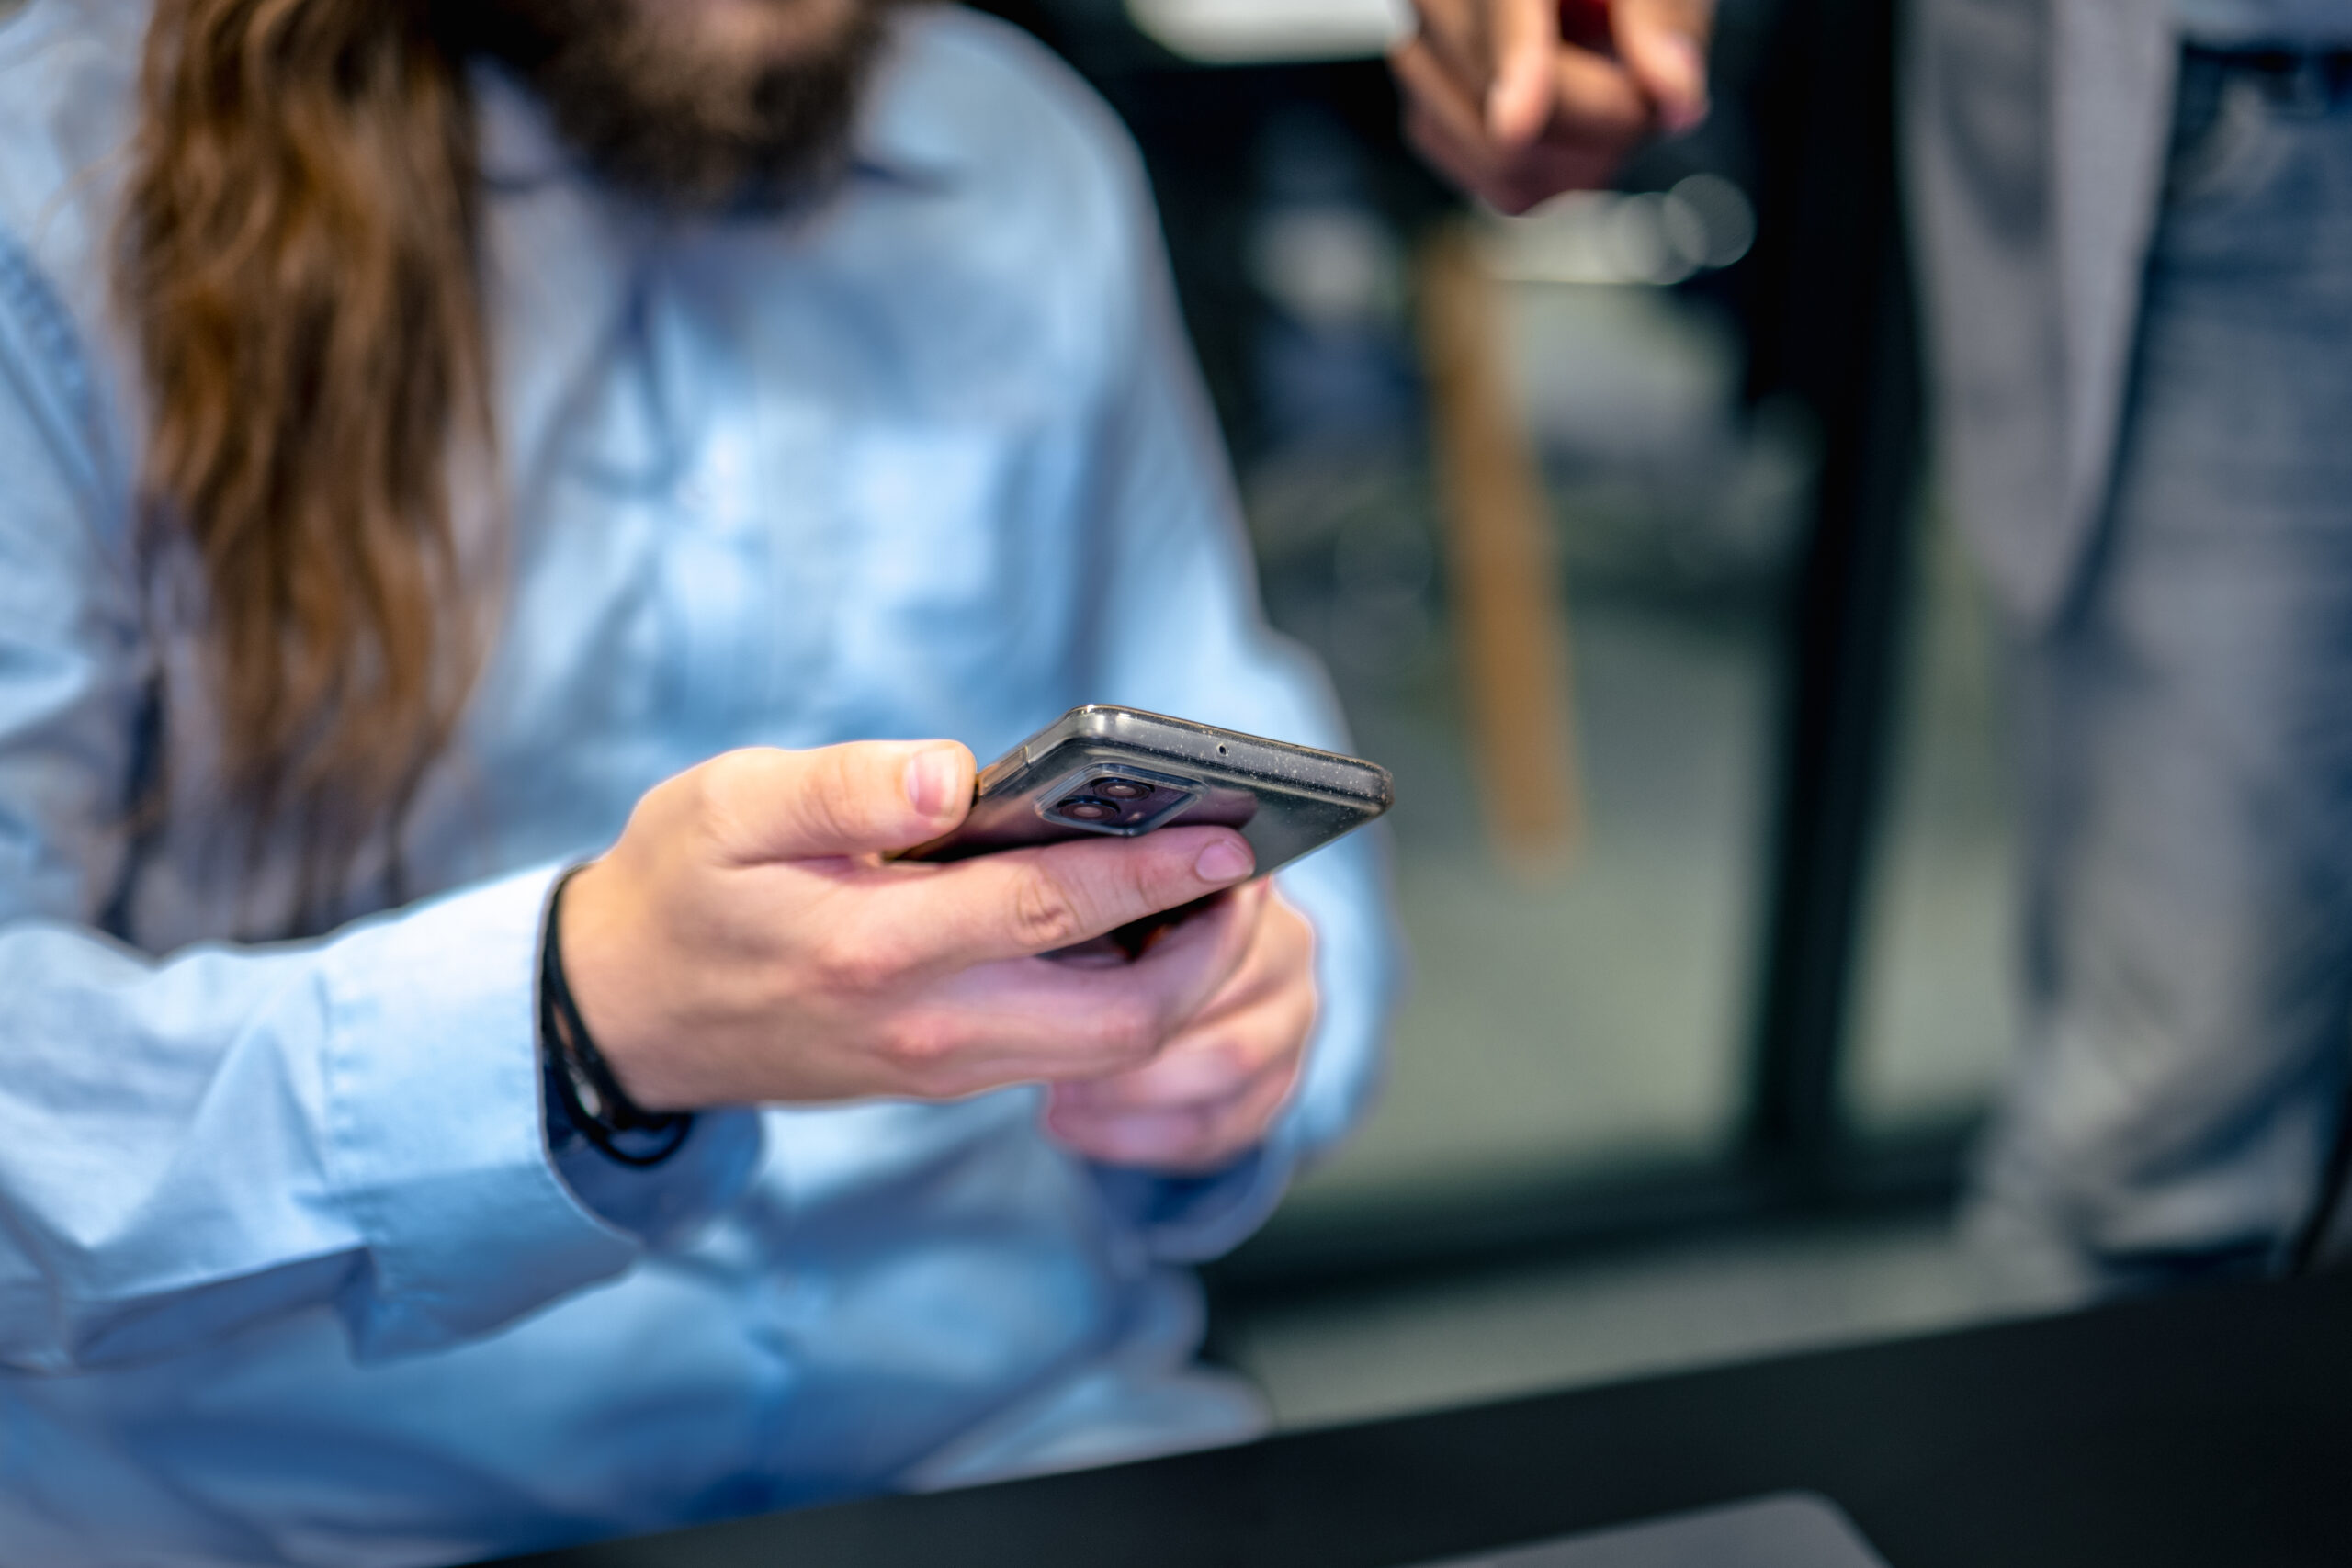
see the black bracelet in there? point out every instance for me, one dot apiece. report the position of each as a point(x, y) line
point(581, 1079)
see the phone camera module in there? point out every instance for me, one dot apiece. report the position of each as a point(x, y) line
point(1123, 803)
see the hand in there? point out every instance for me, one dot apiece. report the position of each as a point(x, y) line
point(745, 942)
point(1512, 110)
point(1218, 1085)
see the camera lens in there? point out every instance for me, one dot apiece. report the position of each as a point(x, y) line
point(1083, 809)
point(1122, 789)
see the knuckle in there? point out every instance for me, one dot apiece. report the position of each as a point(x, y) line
point(922, 1049)
point(717, 798)
point(1226, 1065)
point(854, 962)
point(946, 1076)
point(827, 798)
point(1125, 1031)
point(1044, 916)
point(701, 794)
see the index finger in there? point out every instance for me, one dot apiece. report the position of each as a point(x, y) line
point(1022, 903)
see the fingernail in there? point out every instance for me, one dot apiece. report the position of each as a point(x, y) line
point(932, 778)
point(1226, 859)
point(1689, 95)
point(1685, 117)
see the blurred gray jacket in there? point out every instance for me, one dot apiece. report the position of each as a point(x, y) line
point(2036, 137)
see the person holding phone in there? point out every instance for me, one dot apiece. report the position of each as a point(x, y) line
point(510, 516)
point(2133, 223)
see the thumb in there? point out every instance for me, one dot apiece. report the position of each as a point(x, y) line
point(864, 797)
point(1663, 44)
point(1525, 36)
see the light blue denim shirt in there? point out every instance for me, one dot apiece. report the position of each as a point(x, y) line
point(286, 1271)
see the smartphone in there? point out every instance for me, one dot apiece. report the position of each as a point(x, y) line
point(1107, 771)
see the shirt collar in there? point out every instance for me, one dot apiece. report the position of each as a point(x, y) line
point(894, 141)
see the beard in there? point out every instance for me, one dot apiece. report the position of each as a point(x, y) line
point(699, 105)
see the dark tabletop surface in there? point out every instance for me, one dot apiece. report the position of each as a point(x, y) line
point(2211, 1429)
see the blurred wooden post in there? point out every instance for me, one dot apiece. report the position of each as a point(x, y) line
point(1510, 625)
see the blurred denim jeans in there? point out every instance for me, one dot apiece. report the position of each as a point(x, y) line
point(2186, 736)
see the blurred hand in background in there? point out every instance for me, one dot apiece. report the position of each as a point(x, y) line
point(1519, 101)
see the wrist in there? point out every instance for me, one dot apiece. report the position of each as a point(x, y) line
point(585, 1095)
point(594, 953)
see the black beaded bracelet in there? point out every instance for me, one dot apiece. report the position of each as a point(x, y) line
point(590, 1097)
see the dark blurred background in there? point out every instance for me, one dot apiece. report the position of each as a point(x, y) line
point(1611, 524)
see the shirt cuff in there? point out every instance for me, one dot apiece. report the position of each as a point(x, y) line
point(662, 1204)
point(434, 1138)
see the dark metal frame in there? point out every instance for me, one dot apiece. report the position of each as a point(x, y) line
point(1833, 325)
point(1828, 301)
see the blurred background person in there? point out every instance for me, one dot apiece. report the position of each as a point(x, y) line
point(443, 446)
point(2144, 320)
point(2131, 228)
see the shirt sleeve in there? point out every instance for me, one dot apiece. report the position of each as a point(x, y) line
point(1179, 631)
point(195, 1143)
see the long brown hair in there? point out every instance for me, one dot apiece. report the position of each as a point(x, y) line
point(297, 264)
